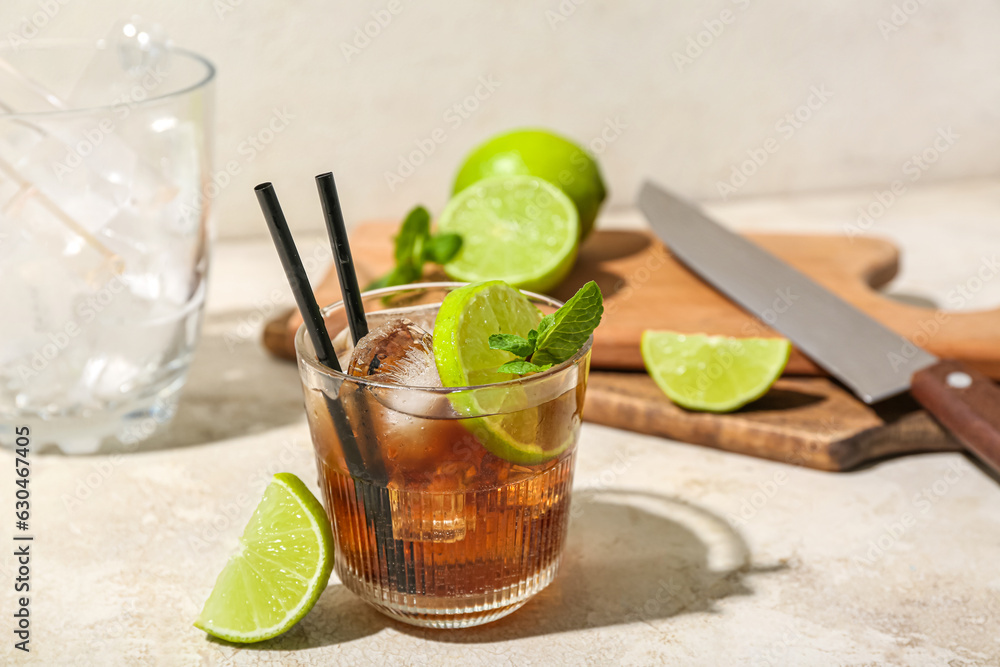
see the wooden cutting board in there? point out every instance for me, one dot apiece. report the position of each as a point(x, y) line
point(809, 421)
point(806, 421)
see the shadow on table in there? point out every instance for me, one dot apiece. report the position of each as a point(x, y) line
point(610, 244)
point(629, 557)
point(338, 617)
point(234, 387)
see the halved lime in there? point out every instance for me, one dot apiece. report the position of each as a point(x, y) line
point(520, 229)
point(713, 373)
point(465, 320)
point(541, 153)
point(463, 357)
point(279, 571)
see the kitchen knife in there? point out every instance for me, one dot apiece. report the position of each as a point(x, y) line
point(872, 360)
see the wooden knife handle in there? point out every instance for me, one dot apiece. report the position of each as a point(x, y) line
point(966, 402)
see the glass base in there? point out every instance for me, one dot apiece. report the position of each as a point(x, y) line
point(107, 432)
point(453, 613)
point(449, 559)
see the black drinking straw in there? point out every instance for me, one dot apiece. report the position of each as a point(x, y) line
point(377, 511)
point(314, 322)
point(342, 258)
point(296, 274)
point(390, 548)
point(313, 318)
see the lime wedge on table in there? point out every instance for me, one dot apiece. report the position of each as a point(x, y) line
point(520, 229)
point(279, 571)
point(536, 152)
point(463, 356)
point(713, 373)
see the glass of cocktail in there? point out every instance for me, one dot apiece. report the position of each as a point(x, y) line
point(449, 505)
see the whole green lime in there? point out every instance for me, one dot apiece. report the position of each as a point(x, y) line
point(536, 152)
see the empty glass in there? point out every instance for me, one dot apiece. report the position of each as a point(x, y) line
point(104, 157)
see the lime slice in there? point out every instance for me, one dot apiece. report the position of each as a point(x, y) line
point(713, 373)
point(463, 357)
point(545, 155)
point(466, 319)
point(519, 229)
point(279, 571)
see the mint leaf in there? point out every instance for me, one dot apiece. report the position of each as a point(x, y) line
point(559, 335)
point(564, 332)
point(442, 248)
point(521, 367)
point(378, 283)
point(413, 232)
point(414, 245)
point(516, 345)
point(401, 275)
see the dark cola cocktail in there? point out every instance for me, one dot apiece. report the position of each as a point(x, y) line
point(449, 504)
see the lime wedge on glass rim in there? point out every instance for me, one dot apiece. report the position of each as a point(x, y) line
point(519, 229)
point(713, 373)
point(280, 569)
point(463, 357)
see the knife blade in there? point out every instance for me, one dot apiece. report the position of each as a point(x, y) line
point(871, 359)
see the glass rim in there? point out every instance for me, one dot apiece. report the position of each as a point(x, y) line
point(313, 362)
point(70, 44)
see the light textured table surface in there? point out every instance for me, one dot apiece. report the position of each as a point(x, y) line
point(677, 554)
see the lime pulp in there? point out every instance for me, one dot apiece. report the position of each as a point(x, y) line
point(519, 229)
point(465, 321)
point(280, 569)
point(713, 373)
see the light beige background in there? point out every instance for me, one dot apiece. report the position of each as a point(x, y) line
point(896, 72)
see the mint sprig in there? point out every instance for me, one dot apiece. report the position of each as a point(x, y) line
point(415, 245)
point(559, 335)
